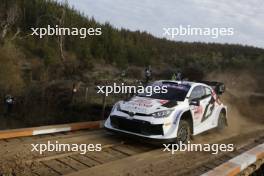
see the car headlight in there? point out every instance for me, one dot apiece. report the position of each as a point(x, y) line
point(116, 107)
point(162, 114)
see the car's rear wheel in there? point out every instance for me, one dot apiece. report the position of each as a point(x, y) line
point(184, 132)
point(221, 121)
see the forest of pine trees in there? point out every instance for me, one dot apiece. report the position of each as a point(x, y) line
point(115, 46)
point(24, 57)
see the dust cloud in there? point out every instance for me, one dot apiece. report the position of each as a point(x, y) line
point(245, 105)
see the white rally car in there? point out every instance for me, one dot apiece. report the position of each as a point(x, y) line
point(186, 109)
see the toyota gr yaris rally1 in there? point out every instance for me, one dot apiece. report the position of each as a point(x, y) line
point(186, 109)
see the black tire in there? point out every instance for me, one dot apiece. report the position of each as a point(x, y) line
point(184, 132)
point(221, 121)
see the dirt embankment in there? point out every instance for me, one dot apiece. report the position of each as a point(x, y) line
point(245, 118)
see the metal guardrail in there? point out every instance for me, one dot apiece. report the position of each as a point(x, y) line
point(5, 134)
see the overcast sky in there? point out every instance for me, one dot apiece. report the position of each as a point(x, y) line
point(245, 16)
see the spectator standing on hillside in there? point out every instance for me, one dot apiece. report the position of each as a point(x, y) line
point(173, 77)
point(148, 74)
point(9, 103)
point(123, 75)
point(179, 76)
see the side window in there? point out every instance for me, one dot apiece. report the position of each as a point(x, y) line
point(197, 93)
point(208, 92)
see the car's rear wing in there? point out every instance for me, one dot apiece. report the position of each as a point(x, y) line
point(218, 87)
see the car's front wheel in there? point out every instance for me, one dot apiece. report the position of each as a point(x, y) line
point(184, 132)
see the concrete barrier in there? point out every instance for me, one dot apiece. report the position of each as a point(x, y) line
point(5, 134)
point(239, 163)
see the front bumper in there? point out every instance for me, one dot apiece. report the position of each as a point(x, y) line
point(136, 126)
point(139, 128)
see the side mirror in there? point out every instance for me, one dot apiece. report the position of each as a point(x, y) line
point(221, 89)
point(195, 102)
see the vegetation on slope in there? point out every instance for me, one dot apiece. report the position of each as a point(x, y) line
point(29, 66)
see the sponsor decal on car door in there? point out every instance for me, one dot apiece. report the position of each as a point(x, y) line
point(206, 104)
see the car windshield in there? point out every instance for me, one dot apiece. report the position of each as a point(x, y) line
point(176, 92)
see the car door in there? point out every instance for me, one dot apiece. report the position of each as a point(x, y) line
point(201, 111)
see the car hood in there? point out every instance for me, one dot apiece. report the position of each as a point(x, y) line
point(145, 105)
